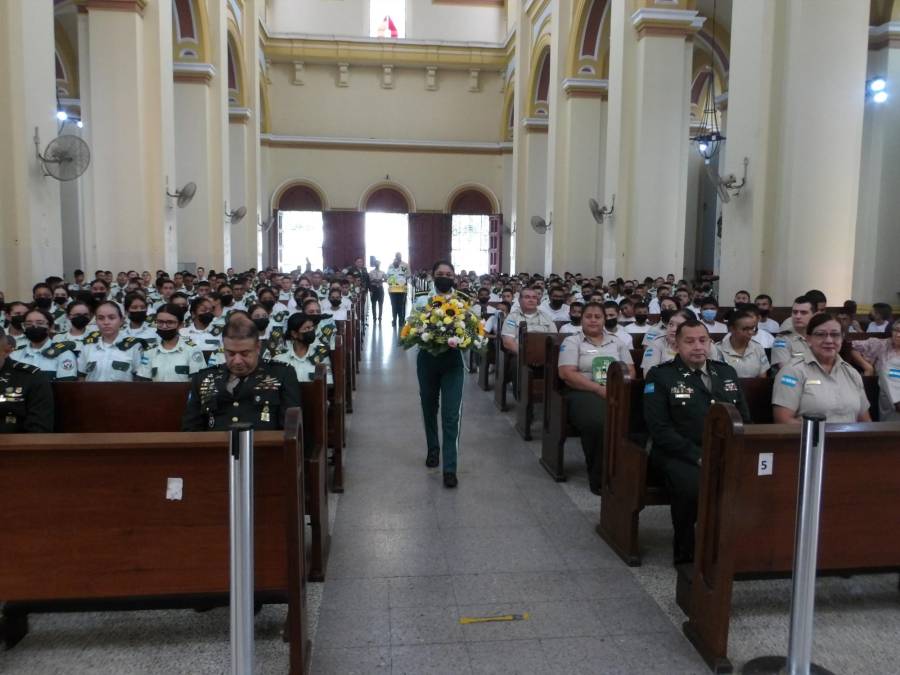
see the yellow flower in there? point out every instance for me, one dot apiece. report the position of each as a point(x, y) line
point(460, 331)
point(480, 329)
point(405, 330)
point(448, 320)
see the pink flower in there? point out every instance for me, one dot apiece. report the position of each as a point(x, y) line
point(453, 342)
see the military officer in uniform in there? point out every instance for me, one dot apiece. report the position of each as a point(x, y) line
point(174, 358)
point(244, 389)
point(820, 382)
point(527, 311)
point(792, 344)
point(26, 398)
point(677, 398)
point(56, 359)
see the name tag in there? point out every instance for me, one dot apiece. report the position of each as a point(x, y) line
point(121, 365)
point(814, 382)
point(181, 370)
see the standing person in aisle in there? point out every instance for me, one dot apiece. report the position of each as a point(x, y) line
point(376, 291)
point(441, 379)
point(397, 278)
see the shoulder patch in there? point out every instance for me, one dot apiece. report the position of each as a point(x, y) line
point(649, 388)
point(215, 330)
point(58, 348)
point(648, 352)
point(789, 381)
point(779, 342)
point(130, 342)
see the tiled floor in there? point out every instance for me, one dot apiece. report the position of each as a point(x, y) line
point(410, 558)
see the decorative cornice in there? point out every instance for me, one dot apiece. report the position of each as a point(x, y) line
point(239, 115)
point(383, 144)
point(538, 125)
point(199, 73)
point(136, 6)
point(666, 22)
point(885, 35)
point(288, 48)
point(575, 87)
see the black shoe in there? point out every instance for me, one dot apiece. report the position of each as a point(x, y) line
point(595, 490)
point(450, 479)
point(433, 458)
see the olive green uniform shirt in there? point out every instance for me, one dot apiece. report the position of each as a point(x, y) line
point(805, 388)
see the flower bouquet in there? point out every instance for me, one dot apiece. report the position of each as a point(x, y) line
point(445, 322)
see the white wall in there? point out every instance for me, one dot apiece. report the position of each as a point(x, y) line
point(424, 20)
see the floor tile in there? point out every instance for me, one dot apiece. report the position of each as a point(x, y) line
point(354, 661)
point(424, 625)
point(513, 657)
point(422, 592)
point(433, 659)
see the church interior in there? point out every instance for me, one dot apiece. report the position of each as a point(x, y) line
point(752, 146)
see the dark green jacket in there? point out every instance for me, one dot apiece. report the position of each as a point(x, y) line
point(676, 403)
point(26, 399)
point(261, 399)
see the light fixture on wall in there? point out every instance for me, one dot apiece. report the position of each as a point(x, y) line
point(709, 139)
point(876, 89)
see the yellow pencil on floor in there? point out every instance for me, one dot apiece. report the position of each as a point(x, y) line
point(488, 619)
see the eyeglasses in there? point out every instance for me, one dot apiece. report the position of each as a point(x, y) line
point(823, 335)
point(166, 324)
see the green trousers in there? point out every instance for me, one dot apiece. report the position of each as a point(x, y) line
point(441, 380)
point(587, 413)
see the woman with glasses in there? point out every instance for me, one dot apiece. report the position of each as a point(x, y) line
point(174, 358)
point(820, 381)
point(57, 360)
point(739, 350)
point(884, 355)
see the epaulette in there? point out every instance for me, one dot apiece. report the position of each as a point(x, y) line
point(216, 331)
point(188, 342)
point(58, 348)
point(319, 354)
point(279, 317)
point(276, 334)
point(26, 367)
point(328, 330)
point(91, 339)
point(130, 342)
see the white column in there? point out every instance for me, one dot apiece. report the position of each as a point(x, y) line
point(29, 202)
point(794, 226)
point(127, 106)
point(876, 275)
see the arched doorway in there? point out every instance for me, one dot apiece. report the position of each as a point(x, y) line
point(472, 240)
point(301, 229)
point(387, 212)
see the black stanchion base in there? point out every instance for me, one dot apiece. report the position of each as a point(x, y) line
point(777, 665)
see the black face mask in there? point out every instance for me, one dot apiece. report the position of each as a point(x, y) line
point(268, 304)
point(167, 334)
point(37, 333)
point(575, 320)
point(640, 319)
point(335, 303)
point(610, 324)
point(61, 301)
point(17, 321)
point(43, 303)
point(483, 301)
point(764, 313)
point(205, 318)
point(261, 324)
point(80, 321)
point(226, 300)
point(99, 297)
point(443, 284)
point(137, 317)
point(307, 337)
point(556, 304)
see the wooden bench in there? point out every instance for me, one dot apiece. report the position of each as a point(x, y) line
point(87, 524)
point(629, 482)
point(530, 361)
point(503, 361)
point(488, 359)
point(337, 411)
point(345, 331)
point(148, 407)
point(745, 525)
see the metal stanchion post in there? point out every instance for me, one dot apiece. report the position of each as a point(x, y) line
point(241, 512)
point(806, 546)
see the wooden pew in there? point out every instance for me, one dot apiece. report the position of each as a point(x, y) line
point(88, 525)
point(745, 525)
point(337, 410)
point(530, 381)
point(503, 361)
point(485, 362)
point(629, 484)
point(116, 407)
point(346, 332)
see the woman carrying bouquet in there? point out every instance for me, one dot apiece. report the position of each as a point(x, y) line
point(442, 326)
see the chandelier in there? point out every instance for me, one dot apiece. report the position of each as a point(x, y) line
point(709, 137)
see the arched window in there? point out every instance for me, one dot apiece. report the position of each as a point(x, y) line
point(300, 228)
point(387, 225)
point(470, 239)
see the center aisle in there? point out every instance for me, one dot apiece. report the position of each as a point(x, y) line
point(409, 557)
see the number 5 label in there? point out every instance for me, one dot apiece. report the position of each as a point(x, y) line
point(765, 464)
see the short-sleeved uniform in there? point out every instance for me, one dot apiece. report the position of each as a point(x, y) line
point(304, 366)
point(788, 347)
point(78, 340)
point(145, 332)
point(159, 364)
point(537, 323)
point(102, 362)
point(803, 387)
point(587, 410)
point(752, 363)
point(26, 399)
point(208, 339)
point(56, 359)
point(887, 364)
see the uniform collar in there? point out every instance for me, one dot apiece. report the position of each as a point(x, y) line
point(685, 369)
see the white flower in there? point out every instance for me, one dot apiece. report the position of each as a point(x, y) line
point(426, 336)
